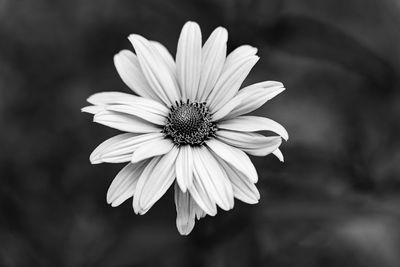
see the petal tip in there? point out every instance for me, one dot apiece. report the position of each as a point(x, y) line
point(184, 230)
point(90, 99)
point(94, 159)
point(286, 137)
point(254, 50)
point(135, 205)
point(118, 57)
point(114, 204)
point(191, 23)
point(222, 31)
point(134, 38)
point(85, 110)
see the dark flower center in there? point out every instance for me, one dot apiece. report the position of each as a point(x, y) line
point(189, 123)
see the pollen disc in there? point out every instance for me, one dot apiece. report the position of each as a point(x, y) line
point(189, 123)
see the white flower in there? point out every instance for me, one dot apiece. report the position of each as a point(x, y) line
point(186, 126)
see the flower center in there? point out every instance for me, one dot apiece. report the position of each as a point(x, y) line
point(189, 123)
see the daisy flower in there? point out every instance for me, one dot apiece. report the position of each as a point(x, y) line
point(185, 125)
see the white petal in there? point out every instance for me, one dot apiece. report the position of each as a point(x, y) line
point(155, 180)
point(92, 109)
point(157, 73)
point(199, 212)
point(131, 145)
point(213, 177)
point(107, 98)
point(226, 109)
point(117, 158)
point(188, 60)
point(123, 122)
point(138, 111)
point(252, 143)
point(213, 58)
point(230, 81)
point(120, 148)
point(278, 154)
point(156, 147)
point(200, 195)
point(95, 156)
point(113, 98)
point(129, 70)
point(252, 97)
point(184, 167)
point(234, 157)
point(253, 124)
point(166, 56)
point(243, 188)
point(238, 54)
point(124, 184)
point(185, 211)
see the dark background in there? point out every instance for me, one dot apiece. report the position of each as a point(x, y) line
point(334, 202)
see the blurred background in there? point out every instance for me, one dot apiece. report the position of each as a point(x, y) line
point(334, 202)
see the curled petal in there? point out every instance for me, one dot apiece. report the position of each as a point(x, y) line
point(95, 156)
point(252, 143)
point(155, 147)
point(252, 97)
point(104, 99)
point(157, 73)
point(124, 122)
point(201, 196)
point(129, 70)
point(213, 177)
point(243, 188)
point(253, 124)
point(155, 180)
point(278, 154)
point(140, 112)
point(120, 148)
point(230, 81)
point(234, 157)
point(92, 109)
point(124, 184)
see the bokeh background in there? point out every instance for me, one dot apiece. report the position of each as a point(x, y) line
point(334, 202)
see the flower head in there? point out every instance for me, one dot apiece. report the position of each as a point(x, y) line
point(186, 125)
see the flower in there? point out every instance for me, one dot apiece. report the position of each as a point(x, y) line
point(186, 125)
